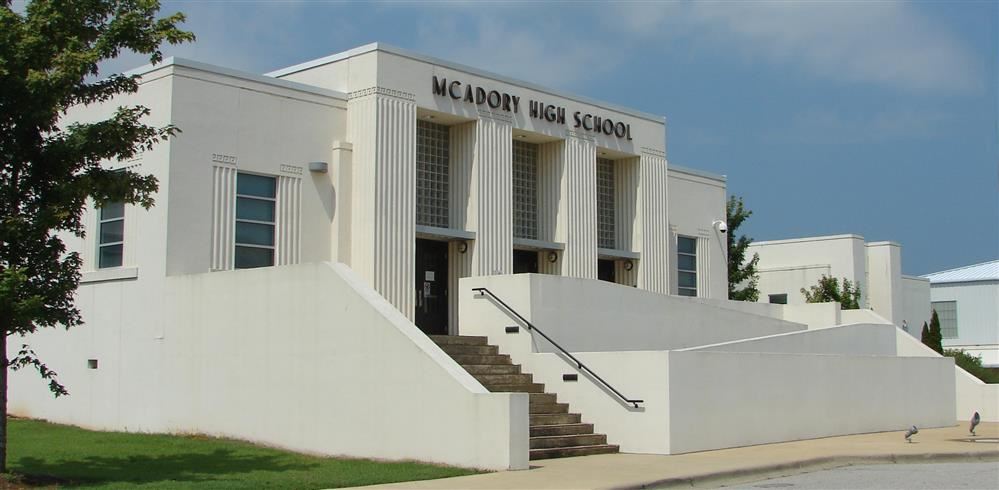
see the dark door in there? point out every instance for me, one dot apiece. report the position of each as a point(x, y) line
point(431, 286)
point(525, 261)
point(605, 270)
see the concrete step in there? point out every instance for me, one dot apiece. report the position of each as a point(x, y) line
point(561, 430)
point(475, 369)
point(540, 408)
point(546, 442)
point(453, 349)
point(515, 388)
point(554, 419)
point(504, 379)
point(565, 452)
point(543, 397)
point(481, 359)
point(458, 340)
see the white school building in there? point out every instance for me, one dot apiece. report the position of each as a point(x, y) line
point(382, 254)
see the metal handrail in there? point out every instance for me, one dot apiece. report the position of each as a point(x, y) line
point(579, 364)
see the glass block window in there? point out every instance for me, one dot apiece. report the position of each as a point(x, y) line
point(433, 162)
point(256, 198)
point(525, 190)
point(605, 203)
point(111, 235)
point(686, 266)
point(947, 313)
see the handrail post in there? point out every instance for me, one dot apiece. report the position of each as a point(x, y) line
point(579, 364)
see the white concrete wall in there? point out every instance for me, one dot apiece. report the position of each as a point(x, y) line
point(696, 201)
point(971, 394)
point(725, 399)
point(852, 340)
point(884, 280)
point(786, 266)
point(596, 316)
point(915, 304)
point(977, 317)
point(304, 357)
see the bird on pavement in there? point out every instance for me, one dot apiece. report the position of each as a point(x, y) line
point(975, 420)
point(911, 432)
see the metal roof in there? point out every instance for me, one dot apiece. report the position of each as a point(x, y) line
point(986, 271)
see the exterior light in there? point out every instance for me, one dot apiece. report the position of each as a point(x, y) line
point(462, 247)
point(552, 257)
point(319, 167)
point(628, 265)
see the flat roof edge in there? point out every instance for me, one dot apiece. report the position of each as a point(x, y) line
point(699, 173)
point(252, 77)
point(367, 48)
point(807, 239)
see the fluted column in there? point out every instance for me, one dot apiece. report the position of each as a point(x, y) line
point(653, 222)
point(551, 166)
point(578, 211)
point(382, 128)
point(490, 211)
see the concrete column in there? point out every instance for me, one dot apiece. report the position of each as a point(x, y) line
point(382, 128)
point(490, 210)
point(578, 210)
point(551, 168)
point(884, 280)
point(653, 234)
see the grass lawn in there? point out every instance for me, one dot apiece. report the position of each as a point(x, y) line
point(45, 454)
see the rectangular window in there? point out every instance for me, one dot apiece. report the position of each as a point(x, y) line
point(256, 196)
point(605, 203)
point(111, 235)
point(778, 299)
point(947, 313)
point(433, 143)
point(525, 190)
point(686, 266)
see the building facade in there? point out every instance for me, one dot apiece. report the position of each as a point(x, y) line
point(415, 172)
point(787, 266)
point(966, 300)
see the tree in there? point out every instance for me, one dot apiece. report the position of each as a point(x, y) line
point(740, 271)
point(934, 337)
point(49, 62)
point(924, 336)
point(828, 289)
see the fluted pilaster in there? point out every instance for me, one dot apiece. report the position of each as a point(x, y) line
point(579, 208)
point(653, 223)
point(491, 199)
point(382, 128)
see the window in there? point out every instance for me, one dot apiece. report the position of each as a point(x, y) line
point(605, 203)
point(111, 235)
point(433, 143)
point(947, 313)
point(255, 202)
point(525, 190)
point(686, 266)
point(778, 299)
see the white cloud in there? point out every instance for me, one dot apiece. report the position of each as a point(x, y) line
point(891, 44)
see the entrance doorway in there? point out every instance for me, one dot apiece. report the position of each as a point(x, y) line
point(431, 287)
point(605, 270)
point(525, 262)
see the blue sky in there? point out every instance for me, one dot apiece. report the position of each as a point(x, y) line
point(875, 118)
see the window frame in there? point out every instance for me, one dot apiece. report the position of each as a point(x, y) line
point(680, 290)
point(101, 245)
point(946, 329)
point(273, 224)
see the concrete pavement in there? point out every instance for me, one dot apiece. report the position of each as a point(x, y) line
point(732, 466)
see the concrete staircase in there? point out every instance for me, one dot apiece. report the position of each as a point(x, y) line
point(555, 432)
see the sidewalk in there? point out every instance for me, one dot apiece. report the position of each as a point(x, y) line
point(729, 466)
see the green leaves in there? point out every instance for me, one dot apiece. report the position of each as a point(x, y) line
point(828, 289)
point(740, 272)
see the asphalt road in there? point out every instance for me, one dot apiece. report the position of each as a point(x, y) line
point(891, 476)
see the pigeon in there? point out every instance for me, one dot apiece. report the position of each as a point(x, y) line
point(911, 432)
point(975, 420)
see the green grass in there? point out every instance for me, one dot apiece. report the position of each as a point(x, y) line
point(44, 454)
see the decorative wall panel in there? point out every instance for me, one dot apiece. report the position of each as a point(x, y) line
point(289, 220)
point(223, 217)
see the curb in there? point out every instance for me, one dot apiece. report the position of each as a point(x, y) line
point(809, 465)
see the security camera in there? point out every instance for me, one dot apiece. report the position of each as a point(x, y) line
point(721, 226)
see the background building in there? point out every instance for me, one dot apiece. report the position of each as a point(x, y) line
point(966, 300)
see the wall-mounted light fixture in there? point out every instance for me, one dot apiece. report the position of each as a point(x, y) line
point(720, 225)
point(319, 167)
point(462, 247)
point(552, 256)
point(628, 265)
